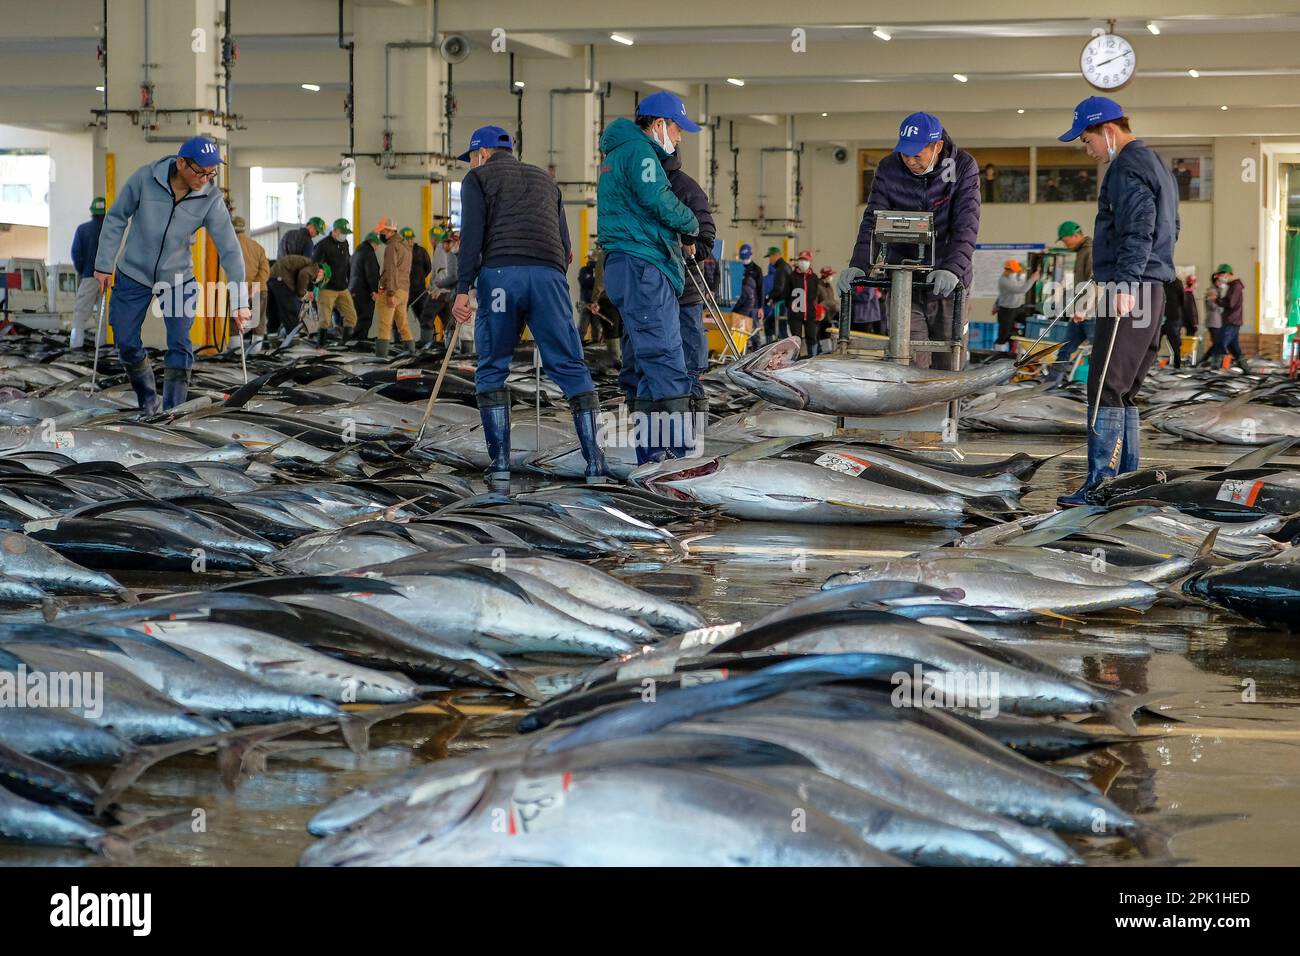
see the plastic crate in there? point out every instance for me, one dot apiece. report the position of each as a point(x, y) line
point(982, 335)
point(1034, 328)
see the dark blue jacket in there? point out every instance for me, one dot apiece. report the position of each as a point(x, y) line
point(1137, 219)
point(953, 198)
point(85, 243)
point(697, 201)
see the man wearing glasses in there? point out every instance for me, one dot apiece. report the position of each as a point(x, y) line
point(166, 203)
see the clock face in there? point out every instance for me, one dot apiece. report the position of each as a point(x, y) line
point(1108, 61)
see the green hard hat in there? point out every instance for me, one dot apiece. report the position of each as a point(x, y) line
point(406, 232)
point(97, 206)
point(373, 237)
point(342, 226)
point(318, 222)
point(1068, 228)
point(1224, 267)
point(773, 251)
point(329, 273)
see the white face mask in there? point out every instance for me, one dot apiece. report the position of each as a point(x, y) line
point(666, 143)
point(746, 258)
point(803, 265)
point(1110, 147)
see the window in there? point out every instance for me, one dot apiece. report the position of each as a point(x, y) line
point(868, 160)
point(1192, 168)
point(67, 282)
point(272, 208)
point(29, 281)
point(16, 193)
point(1065, 175)
point(1004, 174)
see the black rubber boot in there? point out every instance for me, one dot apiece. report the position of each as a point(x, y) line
point(494, 412)
point(176, 383)
point(639, 421)
point(586, 421)
point(700, 409)
point(142, 382)
point(381, 349)
point(671, 429)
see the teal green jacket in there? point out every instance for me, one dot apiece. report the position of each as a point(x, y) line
point(636, 211)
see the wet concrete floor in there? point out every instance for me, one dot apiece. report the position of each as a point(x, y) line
point(1228, 754)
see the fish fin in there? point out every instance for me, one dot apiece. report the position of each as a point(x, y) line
point(1205, 553)
point(1119, 711)
point(1054, 616)
point(356, 727)
point(49, 610)
point(769, 447)
point(268, 665)
point(1258, 457)
point(119, 842)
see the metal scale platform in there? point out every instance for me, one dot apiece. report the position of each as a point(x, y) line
point(907, 238)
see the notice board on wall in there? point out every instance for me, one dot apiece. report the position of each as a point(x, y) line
point(987, 263)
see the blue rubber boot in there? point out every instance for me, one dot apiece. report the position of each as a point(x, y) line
point(586, 408)
point(640, 423)
point(1105, 450)
point(142, 381)
point(176, 385)
point(1132, 452)
point(494, 411)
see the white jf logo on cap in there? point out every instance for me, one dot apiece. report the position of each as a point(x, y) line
point(910, 130)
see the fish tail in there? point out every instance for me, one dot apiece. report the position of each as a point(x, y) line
point(1154, 841)
point(119, 842)
point(1120, 710)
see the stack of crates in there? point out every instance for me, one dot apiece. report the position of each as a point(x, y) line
point(1034, 328)
point(983, 335)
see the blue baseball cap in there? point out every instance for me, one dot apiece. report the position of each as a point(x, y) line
point(666, 106)
point(1093, 110)
point(746, 250)
point(201, 150)
point(918, 131)
point(487, 137)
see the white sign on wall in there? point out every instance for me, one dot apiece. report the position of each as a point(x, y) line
point(988, 260)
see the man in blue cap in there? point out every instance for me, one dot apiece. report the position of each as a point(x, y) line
point(640, 224)
point(1132, 259)
point(927, 173)
point(514, 249)
point(166, 203)
point(85, 243)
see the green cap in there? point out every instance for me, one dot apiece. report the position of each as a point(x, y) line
point(342, 226)
point(773, 251)
point(97, 206)
point(407, 232)
point(239, 223)
point(373, 237)
point(325, 266)
point(1224, 267)
point(318, 222)
point(1068, 228)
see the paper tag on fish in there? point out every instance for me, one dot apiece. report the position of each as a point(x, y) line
point(846, 464)
point(650, 665)
point(708, 636)
point(696, 678)
point(44, 524)
point(624, 516)
point(537, 802)
point(410, 374)
point(1240, 491)
point(64, 440)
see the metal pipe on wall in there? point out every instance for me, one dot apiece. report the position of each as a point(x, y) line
point(347, 102)
point(565, 91)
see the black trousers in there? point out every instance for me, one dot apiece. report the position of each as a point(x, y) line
point(281, 308)
point(1006, 324)
point(1136, 339)
point(1173, 334)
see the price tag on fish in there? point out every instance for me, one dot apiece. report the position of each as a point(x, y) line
point(64, 440)
point(410, 374)
point(708, 636)
point(1240, 491)
point(537, 802)
point(846, 464)
point(650, 665)
point(696, 678)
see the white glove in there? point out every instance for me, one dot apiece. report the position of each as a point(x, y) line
point(942, 282)
point(847, 276)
